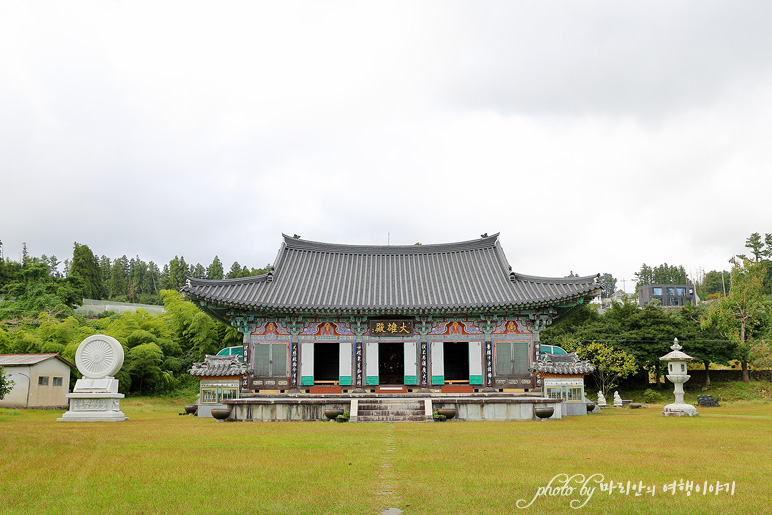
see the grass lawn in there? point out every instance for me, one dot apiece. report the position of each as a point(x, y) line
point(160, 462)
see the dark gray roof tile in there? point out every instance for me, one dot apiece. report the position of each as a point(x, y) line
point(563, 364)
point(313, 276)
point(218, 366)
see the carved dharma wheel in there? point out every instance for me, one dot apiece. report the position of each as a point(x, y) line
point(99, 356)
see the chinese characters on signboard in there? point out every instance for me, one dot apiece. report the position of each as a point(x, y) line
point(391, 327)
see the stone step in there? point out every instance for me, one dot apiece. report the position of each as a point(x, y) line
point(373, 405)
point(378, 413)
point(390, 418)
point(391, 410)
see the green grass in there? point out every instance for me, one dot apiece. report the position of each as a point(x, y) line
point(160, 462)
point(722, 391)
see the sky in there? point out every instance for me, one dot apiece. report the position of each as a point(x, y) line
point(594, 136)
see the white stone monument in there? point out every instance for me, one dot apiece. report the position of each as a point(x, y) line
point(677, 369)
point(95, 397)
point(617, 400)
point(601, 400)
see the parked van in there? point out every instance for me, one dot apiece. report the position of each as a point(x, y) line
point(237, 351)
point(552, 349)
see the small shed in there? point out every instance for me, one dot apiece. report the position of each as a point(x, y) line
point(563, 378)
point(220, 378)
point(41, 380)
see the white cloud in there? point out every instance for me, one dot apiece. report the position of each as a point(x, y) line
point(594, 136)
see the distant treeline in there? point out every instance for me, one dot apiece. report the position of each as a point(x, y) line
point(121, 279)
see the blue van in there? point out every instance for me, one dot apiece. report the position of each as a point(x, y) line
point(552, 349)
point(233, 351)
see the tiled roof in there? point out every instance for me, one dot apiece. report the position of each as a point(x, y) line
point(564, 364)
point(321, 277)
point(10, 360)
point(218, 366)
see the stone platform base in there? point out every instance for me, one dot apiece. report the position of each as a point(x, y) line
point(679, 410)
point(111, 416)
point(300, 407)
point(94, 407)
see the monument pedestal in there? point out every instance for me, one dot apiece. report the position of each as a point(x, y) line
point(94, 407)
point(95, 397)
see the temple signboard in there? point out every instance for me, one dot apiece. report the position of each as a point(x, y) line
point(391, 327)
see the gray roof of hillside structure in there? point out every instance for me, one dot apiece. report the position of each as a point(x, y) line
point(562, 364)
point(317, 277)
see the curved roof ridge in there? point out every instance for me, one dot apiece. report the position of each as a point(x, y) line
point(237, 280)
point(537, 278)
point(292, 243)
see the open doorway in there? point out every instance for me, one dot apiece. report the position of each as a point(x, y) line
point(326, 363)
point(456, 361)
point(391, 359)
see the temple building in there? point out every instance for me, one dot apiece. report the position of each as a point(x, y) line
point(331, 318)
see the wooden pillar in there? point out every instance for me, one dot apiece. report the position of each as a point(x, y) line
point(294, 362)
point(423, 365)
point(359, 375)
point(488, 362)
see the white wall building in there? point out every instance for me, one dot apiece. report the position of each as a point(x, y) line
point(41, 380)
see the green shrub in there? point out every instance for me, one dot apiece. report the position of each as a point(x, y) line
point(651, 397)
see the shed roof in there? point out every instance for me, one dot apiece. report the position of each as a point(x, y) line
point(562, 364)
point(316, 277)
point(18, 360)
point(218, 366)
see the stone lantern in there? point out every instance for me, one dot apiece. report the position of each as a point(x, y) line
point(676, 368)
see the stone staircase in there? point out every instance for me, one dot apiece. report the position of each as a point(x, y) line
point(391, 410)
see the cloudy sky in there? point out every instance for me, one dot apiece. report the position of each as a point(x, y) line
point(595, 136)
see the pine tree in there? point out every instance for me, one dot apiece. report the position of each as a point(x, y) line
point(215, 270)
point(118, 283)
point(235, 271)
point(85, 265)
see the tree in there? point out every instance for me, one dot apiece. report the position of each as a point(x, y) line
point(662, 274)
point(755, 245)
point(705, 345)
point(105, 266)
point(177, 273)
point(235, 271)
point(35, 290)
point(760, 354)
point(198, 271)
point(714, 283)
point(647, 334)
point(737, 314)
point(6, 385)
point(768, 245)
point(612, 365)
point(644, 276)
point(117, 281)
point(608, 284)
point(145, 365)
point(86, 266)
point(202, 333)
point(215, 270)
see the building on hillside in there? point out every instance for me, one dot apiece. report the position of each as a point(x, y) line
point(330, 318)
point(668, 295)
point(41, 380)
